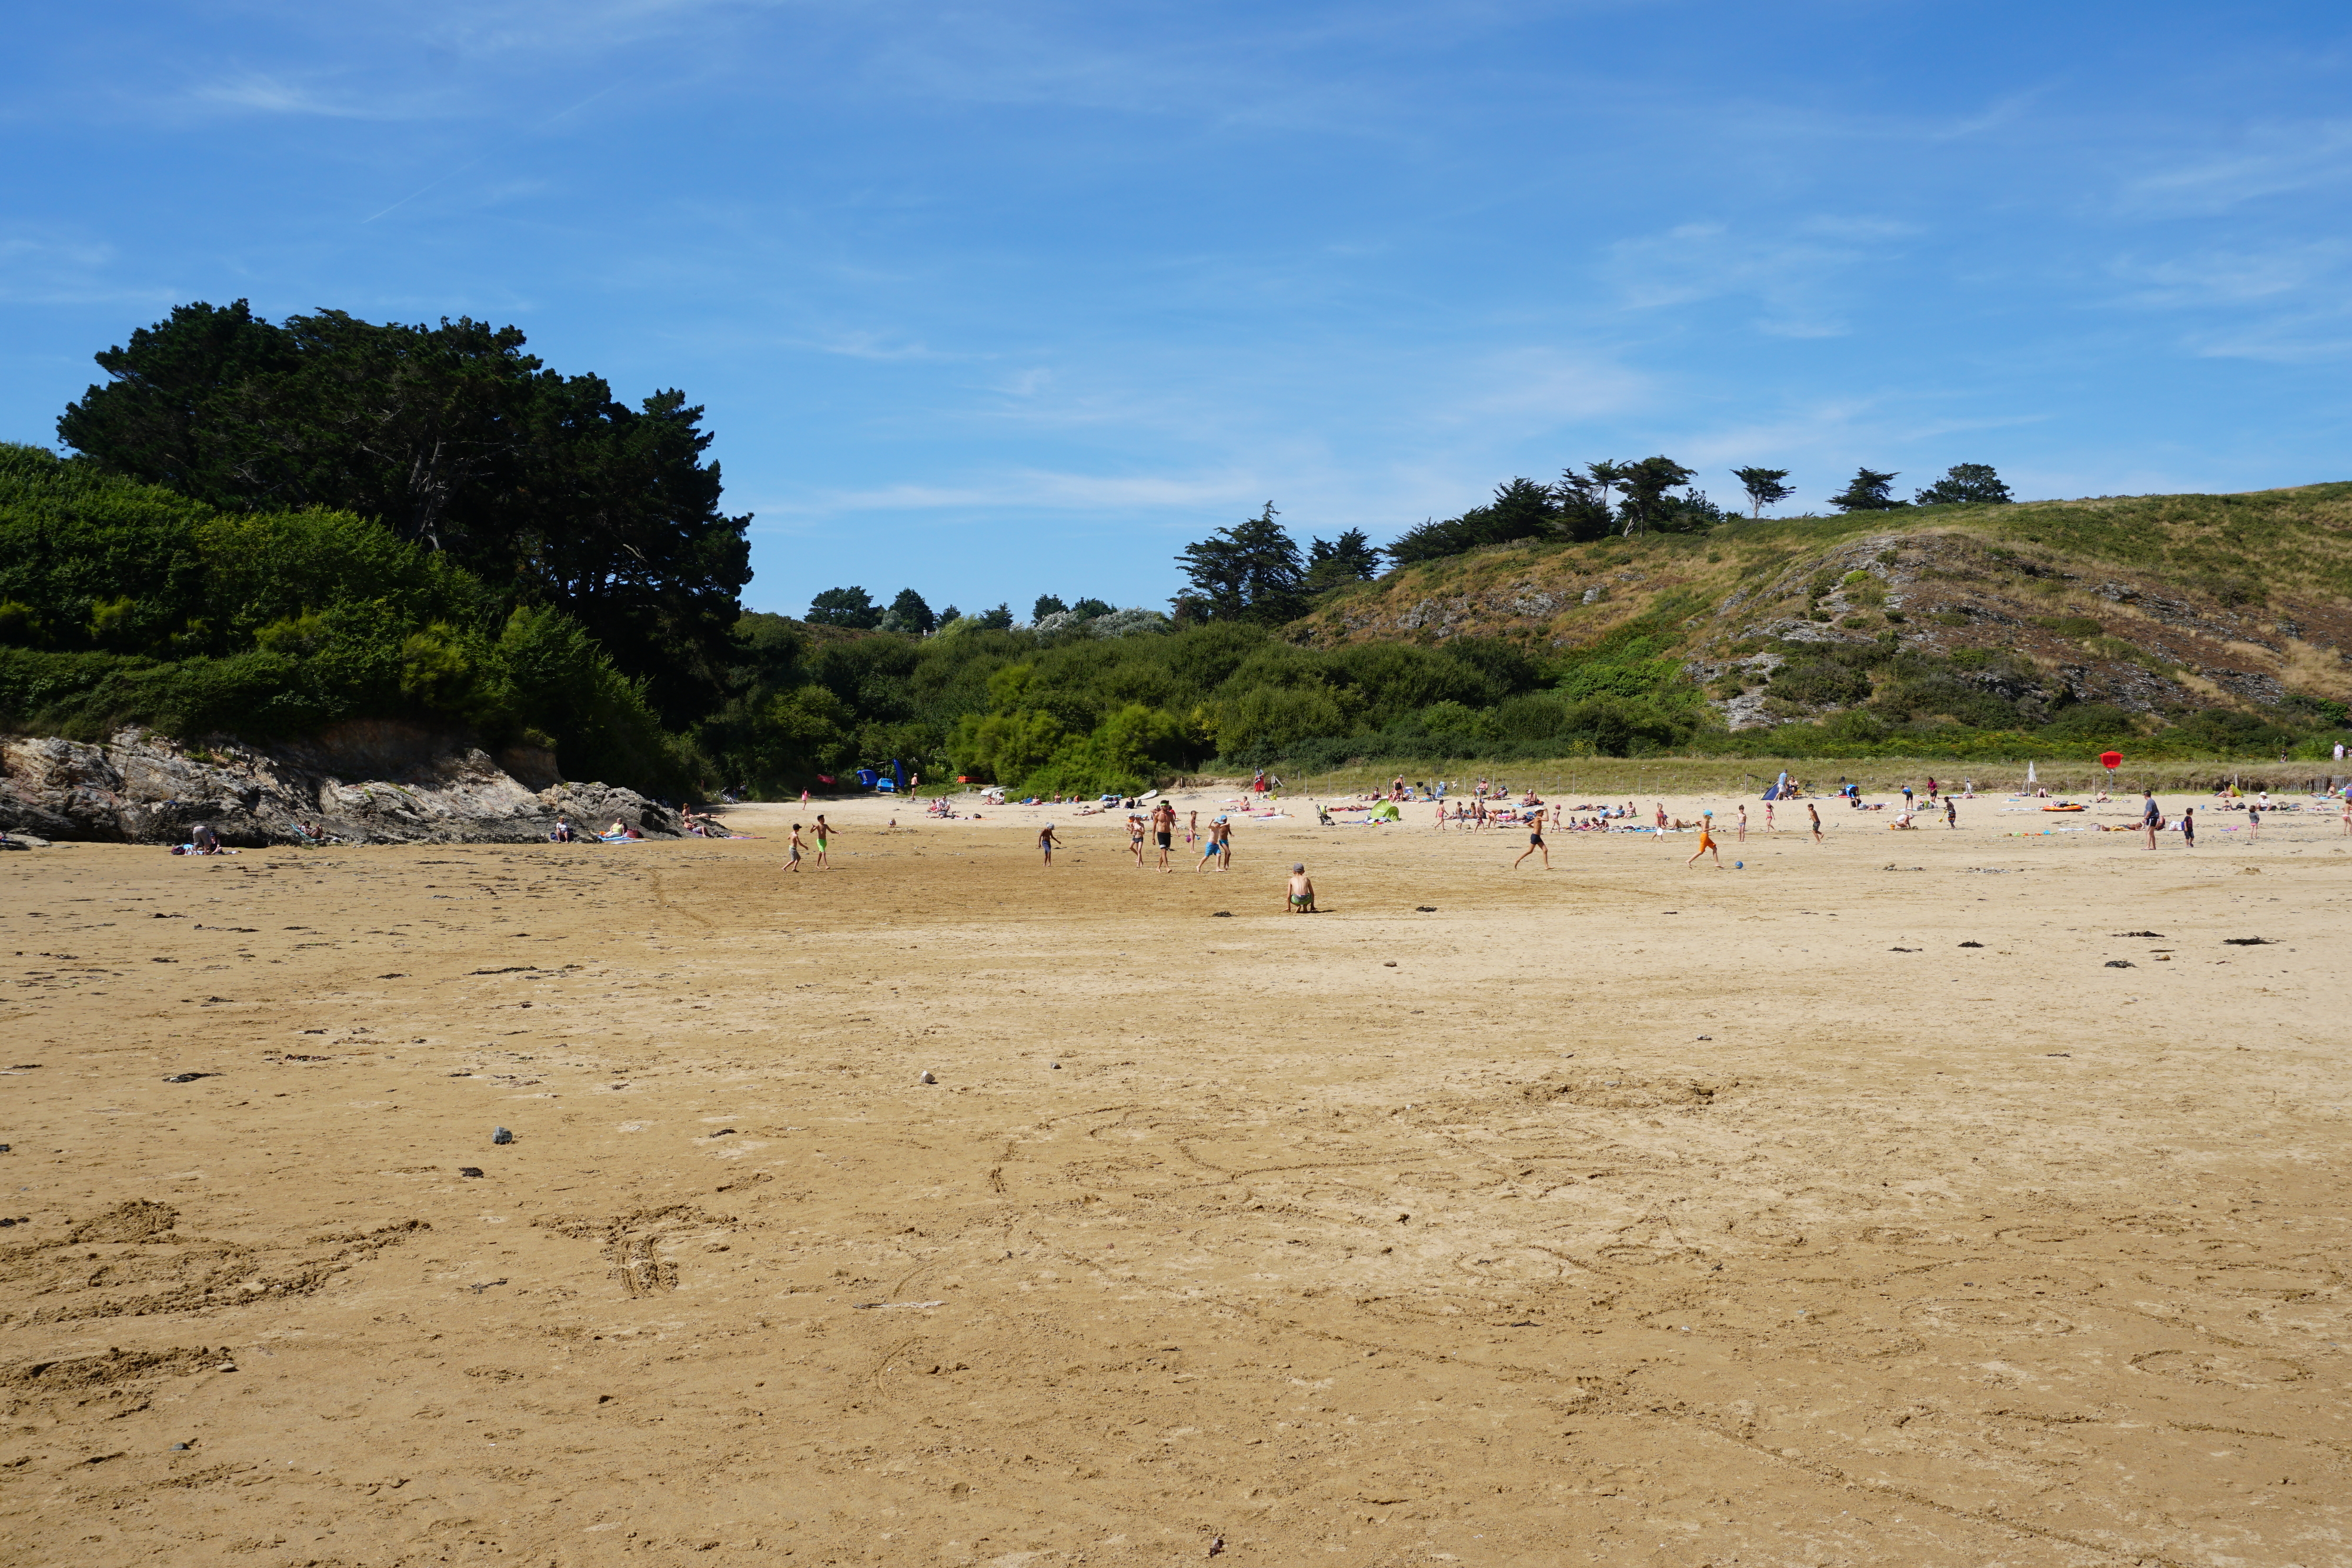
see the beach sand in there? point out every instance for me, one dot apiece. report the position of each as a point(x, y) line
point(1851, 1207)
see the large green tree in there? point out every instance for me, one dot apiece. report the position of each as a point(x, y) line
point(543, 484)
point(844, 607)
point(1966, 482)
point(1646, 504)
point(1333, 563)
point(1765, 488)
point(1250, 572)
point(1869, 491)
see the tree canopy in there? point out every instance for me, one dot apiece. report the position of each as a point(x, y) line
point(1765, 488)
point(1868, 491)
point(1250, 572)
point(844, 607)
point(541, 485)
point(1966, 482)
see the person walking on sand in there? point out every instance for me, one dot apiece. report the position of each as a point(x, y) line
point(1048, 842)
point(1769, 825)
point(1209, 849)
point(1135, 839)
point(2150, 818)
point(1951, 813)
point(1163, 831)
point(2253, 823)
point(1706, 842)
point(1535, 845)
point(1193, 829)
point(2189, 826)
point(1302, 890)
point(822, 832)
point(1814, 812)
point(793, 850)
point(1662, 822)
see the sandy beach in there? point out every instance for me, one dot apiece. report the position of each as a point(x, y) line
point(1927, 1197)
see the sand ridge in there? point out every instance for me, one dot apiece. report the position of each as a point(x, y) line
point(1623, 1208)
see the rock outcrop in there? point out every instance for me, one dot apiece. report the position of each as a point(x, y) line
point(377, 781)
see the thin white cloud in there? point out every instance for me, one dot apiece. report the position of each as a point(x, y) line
point(2227, 276)
point(1796, 273)
point(262, 94)
point(2272, 160)
point(1024, 489)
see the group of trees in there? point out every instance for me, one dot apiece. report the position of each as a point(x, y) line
point(122, 601)
point(541, 485)
point(1652, 495)
point(1963, 484)
point(1254, 571)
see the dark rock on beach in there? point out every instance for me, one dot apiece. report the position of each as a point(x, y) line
point(376, 781)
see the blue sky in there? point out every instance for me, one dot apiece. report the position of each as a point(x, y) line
point(995, 300)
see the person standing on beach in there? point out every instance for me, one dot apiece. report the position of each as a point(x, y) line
point(1163, 831)
point(1814, 812)
point(1951, 813)
point(1743, 821)
point(823, 834)
point(1193, 829)
point(1047, 841)
point(2189, 826)
point(1769, 825)
point(2150, 817)
point(1135, 839)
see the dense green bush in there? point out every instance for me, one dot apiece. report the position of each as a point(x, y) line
point(129, 604)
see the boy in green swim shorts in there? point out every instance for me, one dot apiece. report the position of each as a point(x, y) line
point(1302, 890)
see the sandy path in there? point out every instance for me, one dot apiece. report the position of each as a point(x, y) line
point(1699, 1216)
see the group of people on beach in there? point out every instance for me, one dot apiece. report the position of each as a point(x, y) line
point(822, 832)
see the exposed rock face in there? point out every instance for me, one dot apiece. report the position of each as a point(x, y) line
point(371, 782)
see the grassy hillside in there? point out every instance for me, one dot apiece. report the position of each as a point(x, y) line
point(2114, 619)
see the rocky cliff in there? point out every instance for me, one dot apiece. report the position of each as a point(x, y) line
point(369, 782)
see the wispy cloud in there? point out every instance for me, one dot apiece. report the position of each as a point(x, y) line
point(1031, 490)
point(1796, 274)
point(2239, 276)
point(2271, 160)
point(259, 93)
point(64, 268)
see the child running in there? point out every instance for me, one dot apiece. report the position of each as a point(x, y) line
point(1706, 842)
point(1535, 845)
point(1814, 812)
point(1302, 890)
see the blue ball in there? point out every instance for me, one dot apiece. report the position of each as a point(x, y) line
point(1738, 864)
